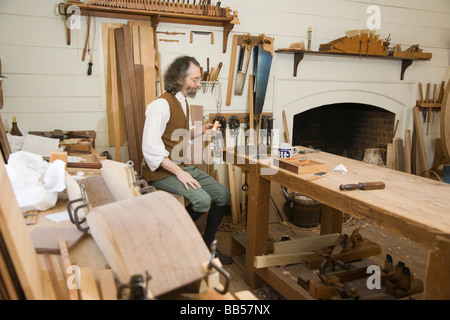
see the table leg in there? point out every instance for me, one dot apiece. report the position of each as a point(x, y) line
point(257, 223)
point(330, 220)
point(437, 282)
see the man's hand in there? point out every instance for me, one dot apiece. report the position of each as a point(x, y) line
point(187, 180)
point(208, 128)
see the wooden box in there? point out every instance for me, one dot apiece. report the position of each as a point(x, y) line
point(299, 165)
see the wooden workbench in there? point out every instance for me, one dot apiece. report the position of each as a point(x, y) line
point(411, 206)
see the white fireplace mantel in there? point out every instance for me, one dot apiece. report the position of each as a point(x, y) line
point(295, 96)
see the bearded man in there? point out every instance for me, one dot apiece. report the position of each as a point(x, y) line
point(163, 149)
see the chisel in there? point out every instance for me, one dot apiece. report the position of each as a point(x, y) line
point(363, 186)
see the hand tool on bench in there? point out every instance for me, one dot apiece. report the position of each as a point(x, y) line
point(363, 186)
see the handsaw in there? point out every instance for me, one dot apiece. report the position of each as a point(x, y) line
point(263, 55)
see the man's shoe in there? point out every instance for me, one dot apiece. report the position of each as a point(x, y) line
point(224, 259)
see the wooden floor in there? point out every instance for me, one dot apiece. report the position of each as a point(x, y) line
point(401, 249)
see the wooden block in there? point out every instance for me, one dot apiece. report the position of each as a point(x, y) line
point(296, 165)
point(108, 287)
point(271, 260)
point(320, 291)
point(88, 285)
point(304, 244)
point(245, 295)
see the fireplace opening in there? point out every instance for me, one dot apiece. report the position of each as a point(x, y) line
point(344, 129)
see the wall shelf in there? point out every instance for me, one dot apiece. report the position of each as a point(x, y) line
point(299, 55)
point(167, 12)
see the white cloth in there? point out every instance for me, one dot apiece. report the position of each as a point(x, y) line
point(156, 117)
point(36, 183)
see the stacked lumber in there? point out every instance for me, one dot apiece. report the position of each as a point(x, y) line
point(430, 103)
point(130, 76)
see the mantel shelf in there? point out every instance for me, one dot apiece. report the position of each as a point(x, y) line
point(299, 55)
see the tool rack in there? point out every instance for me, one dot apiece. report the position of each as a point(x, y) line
point(156, 12)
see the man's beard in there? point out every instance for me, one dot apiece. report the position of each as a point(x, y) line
point(191, 92)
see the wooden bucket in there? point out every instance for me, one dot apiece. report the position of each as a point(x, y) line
point(303, 212)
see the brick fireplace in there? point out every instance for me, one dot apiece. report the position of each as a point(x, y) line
point(345, 129)
point(343, 116)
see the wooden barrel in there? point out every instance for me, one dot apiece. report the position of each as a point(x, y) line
point(303, 212)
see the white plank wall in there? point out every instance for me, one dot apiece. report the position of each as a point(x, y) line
point(48, 87)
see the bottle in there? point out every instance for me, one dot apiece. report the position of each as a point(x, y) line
point(15, 130)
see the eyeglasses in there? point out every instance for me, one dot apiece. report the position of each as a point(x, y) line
point(196, 79)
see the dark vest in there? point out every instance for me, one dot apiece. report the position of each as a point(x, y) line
point(177, 120)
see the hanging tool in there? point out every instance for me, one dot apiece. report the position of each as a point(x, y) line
point(86, 42)
point(91, 52)
point(232, 65)
point(244, 58)
point(202, 33)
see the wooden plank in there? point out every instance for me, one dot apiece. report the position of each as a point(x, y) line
point(445, 121)
point(128, 81)
point(108, 287)
point(407, 152)
point(398, 148)
point(144, 54)
point(53, 277)
point(286, 128)
point(64, 251)
point(272, 260)
point(17, 240)
point(232, 67)
point(114, 102)
point(304, 244)
point(196, 115)
point(150, 233)
point(88, 285)
point(423, 159)
point(4, 144)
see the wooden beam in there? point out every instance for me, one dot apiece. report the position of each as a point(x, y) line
point(271, 260)
point(304, 244)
